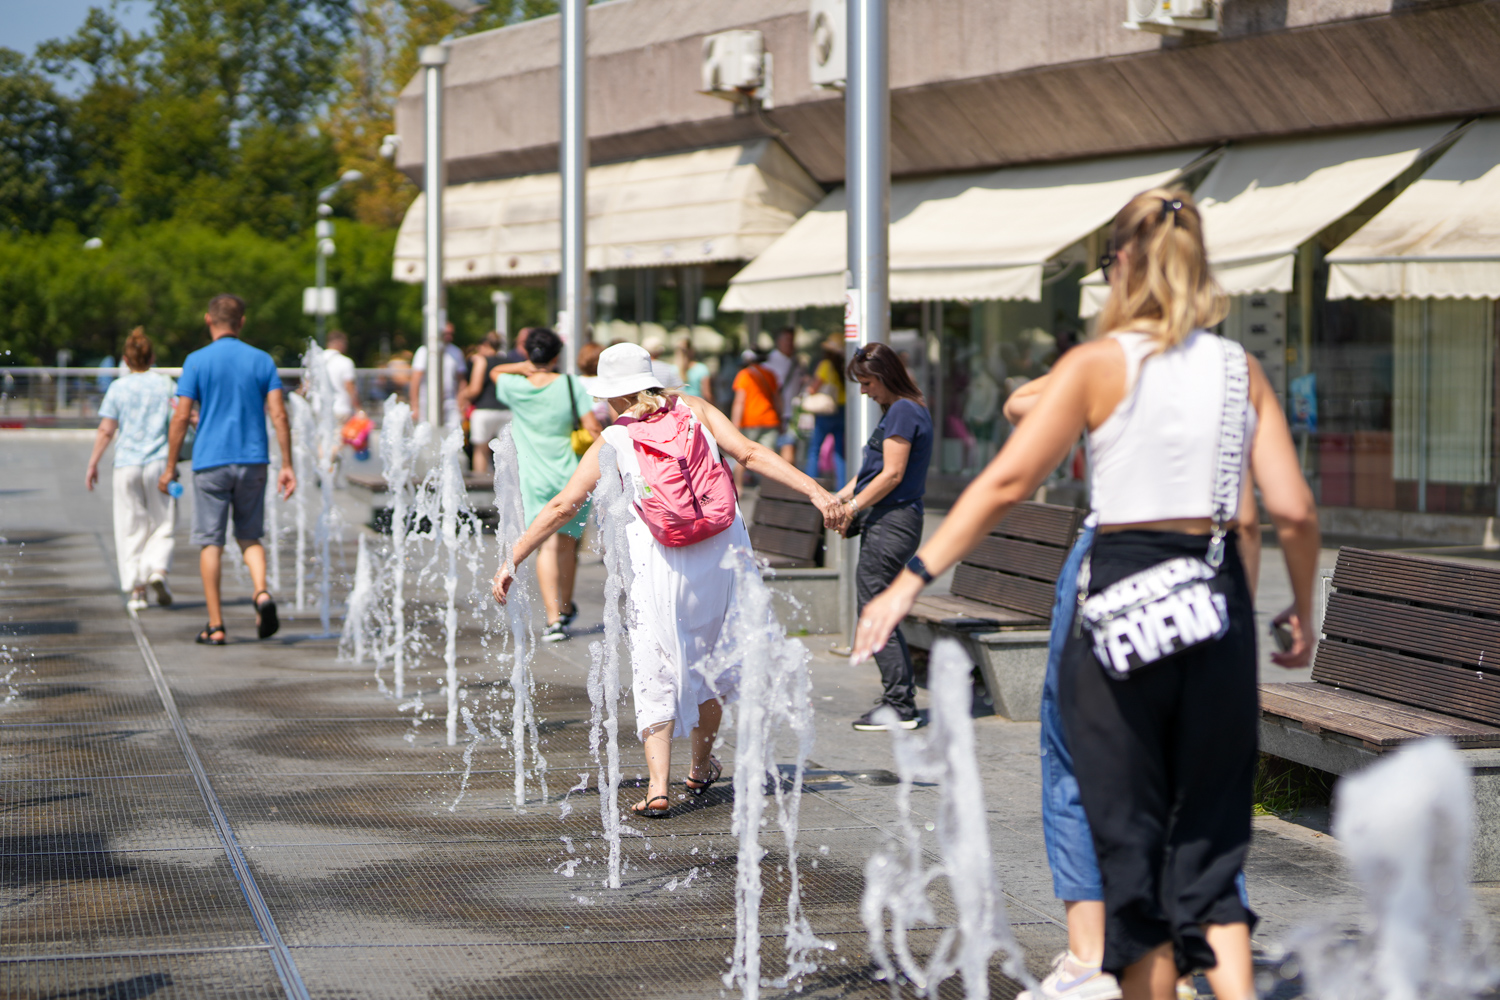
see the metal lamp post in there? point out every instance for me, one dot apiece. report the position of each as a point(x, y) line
point(573, 165)
point(325, 248)
point(433, 59)
point(502, 317)
point(867, 171)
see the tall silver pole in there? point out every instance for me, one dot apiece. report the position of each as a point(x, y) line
point(433, 58)
point(868, 186)
point(573, 164)
point(501, 301)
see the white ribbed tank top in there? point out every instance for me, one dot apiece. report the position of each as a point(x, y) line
point(1153, 458)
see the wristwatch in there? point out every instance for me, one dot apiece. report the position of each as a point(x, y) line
point(853, 503)
point(917, 566)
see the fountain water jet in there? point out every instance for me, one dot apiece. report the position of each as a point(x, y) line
point(612, 509)
point(518, 610)
point(327, 442)
point(897, 881)
point(775, 695)
point(304, 447)
point(1405, 823)
point(400, 444)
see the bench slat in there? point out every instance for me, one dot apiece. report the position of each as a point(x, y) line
point(1432, 581)
point(1048, 523)
point(940, 608)
point(1017, 593)
point(1009, 555)
point(791, 516)
point(1373, 721)
point(772, 490)
point(778, 541)
point(1429, 631)
point(1440, 687)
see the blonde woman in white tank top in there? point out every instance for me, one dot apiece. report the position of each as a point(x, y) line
point(1165, 758)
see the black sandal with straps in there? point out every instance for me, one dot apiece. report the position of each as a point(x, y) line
point(649, 811)
point(206, 637)
point(698, 786)
point(266, 622)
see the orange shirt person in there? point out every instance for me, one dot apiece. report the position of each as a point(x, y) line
point(757, 406)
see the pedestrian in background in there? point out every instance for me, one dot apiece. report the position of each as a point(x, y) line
point(547, 409)
point(338, 368)
point(489, 414)
point(827, 382)
point(756, 410)
point(696, 378)
point(1165, 748)
point(886, 503)
point(588, 367)
point(789, 378)
point(236, 387)
point(453, 371)
point(139, 406)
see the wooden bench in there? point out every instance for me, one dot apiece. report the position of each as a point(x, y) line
point(1410, 649)
point(1000, 604)
point(787, 532)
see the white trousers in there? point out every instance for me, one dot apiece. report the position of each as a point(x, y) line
point(145, 519)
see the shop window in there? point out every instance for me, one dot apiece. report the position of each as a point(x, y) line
point(1351, 451)
point(1444, 390)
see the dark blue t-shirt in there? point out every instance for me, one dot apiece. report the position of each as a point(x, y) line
point(909, 420)
point(229, 380)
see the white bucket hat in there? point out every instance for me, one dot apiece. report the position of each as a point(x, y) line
point(626, 369)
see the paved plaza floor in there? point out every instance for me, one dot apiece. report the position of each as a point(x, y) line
point(262, 819)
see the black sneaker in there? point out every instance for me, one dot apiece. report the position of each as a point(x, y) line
point(556, 632)
point(569, 615)
point(866, 723)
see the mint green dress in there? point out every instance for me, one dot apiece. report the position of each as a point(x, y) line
point(542, 423)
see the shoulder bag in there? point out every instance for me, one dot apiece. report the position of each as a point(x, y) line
point(1179, 603)
point(581, 437)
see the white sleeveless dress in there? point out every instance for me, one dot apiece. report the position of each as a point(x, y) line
point(678, 602)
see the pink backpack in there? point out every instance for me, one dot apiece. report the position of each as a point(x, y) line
point(685, 496)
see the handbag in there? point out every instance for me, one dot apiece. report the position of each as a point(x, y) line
point(1180, 603)
point(819, 404)
point(582, 437)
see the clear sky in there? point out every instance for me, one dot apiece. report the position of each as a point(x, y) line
point(23, 23)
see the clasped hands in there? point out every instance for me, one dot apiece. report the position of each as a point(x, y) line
point(837, 515)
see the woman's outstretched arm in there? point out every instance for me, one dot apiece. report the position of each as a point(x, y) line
point(558, 512)
point(764, 462)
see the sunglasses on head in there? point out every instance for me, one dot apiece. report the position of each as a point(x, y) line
point(1107, 261)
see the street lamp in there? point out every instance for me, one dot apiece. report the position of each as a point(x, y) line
point(323, 302)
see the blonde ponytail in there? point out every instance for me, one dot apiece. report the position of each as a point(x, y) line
point(1168, 289)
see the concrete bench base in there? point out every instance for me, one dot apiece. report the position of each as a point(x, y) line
point(1330, 752)
point(1013, 664)
point(806, 600)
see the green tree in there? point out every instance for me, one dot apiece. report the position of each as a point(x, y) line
point(38, 154)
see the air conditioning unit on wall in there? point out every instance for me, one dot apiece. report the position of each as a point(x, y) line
point(828, 43)
point(736, 65)
point(1172, 17)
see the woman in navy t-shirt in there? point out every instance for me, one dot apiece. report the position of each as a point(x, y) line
point(887, 501)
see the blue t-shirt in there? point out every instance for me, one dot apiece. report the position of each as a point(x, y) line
point(229, 379)
point(141, 403)
point(911, 421)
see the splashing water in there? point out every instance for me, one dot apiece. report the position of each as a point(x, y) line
point(304, 447)
point(518, 608)
point(326, 443)
point(400, 444)
point(273, 515)
point(455, 523)
point(361, 634)
point(1405, 823)
point(897, 881)
point(612, 508)
point(775, 694)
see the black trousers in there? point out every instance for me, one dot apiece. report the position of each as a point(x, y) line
point(1165, 762)
point(888, 538)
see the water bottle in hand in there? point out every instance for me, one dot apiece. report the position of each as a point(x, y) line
point(174, 489)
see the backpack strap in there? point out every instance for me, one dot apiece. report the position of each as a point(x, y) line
point(1229, 464)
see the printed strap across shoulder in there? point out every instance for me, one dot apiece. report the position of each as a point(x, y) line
point(1178, 603)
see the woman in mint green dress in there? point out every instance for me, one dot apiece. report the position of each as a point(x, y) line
point(547, 407)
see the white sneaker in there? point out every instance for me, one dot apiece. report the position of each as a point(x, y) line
point(137, 601)
point(158, 583)
point(1072, 980)
point(556, 632)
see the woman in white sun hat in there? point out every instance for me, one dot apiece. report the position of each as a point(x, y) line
point(684, 518)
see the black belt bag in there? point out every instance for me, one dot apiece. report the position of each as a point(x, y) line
point(1180, 603)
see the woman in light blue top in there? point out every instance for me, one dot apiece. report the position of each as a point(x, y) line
point(139, 407)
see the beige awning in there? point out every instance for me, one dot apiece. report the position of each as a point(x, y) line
point(1263, 200)
point(1439, 239)
point(956, 237)
point(727, 203)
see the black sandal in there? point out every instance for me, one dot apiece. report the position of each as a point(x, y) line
point(646, 809)
point(698, 786)
point(206, 637)
point(266, 622)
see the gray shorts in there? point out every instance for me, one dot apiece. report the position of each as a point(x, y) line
point(767, 436)
point(226, 489)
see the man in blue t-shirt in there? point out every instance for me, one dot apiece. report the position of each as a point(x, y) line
point(236, 387)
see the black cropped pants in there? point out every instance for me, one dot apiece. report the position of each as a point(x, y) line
point(1166, 762)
